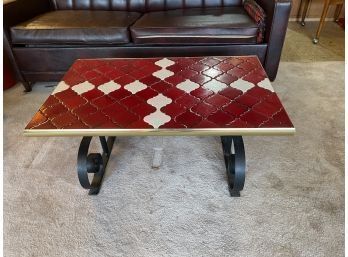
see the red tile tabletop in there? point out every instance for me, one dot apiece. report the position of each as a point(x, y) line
point(163, 96)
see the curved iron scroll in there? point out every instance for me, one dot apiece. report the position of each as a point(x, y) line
point(234, 162)
point(93, 163)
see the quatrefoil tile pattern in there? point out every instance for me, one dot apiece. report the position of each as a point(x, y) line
point(163, 93)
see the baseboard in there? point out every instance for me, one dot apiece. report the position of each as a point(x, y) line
point(311, 19)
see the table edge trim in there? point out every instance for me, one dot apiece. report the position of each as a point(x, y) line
point(160, 132)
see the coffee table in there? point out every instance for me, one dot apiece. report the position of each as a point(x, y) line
point(223, 96)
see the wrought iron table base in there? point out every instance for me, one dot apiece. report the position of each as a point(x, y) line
point(233, 149)
point(93, 163)
point(234, 155)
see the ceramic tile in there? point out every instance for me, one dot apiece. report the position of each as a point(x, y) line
point(83, 87)
point(108, 87)
point(242, 85)
point(187, 86)
point(215, 86)
point(135, 87)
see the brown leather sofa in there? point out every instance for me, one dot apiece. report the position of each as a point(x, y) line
point(44, 37)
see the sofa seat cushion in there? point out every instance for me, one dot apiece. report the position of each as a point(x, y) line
point(230, 25)
point(75, 27)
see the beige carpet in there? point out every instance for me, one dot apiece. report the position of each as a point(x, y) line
point(292, 205)
point(298, 46)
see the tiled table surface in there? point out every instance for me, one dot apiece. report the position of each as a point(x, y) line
point(163, 96)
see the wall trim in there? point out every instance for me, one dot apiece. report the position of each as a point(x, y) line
point(311, 19)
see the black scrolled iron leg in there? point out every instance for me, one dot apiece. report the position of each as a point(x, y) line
point(93, 163)
point(235, 163)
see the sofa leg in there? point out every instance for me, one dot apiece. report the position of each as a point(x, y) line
point(27, 86)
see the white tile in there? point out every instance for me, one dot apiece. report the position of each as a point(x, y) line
point(215, 86)
point(164, 63)
point(163, 74)
point(135, 86)
point(187, 86)
point(157, 118)
point(242, 85)
point(62, 86)
point(108, 87)
point(266, 84)
point(159, 101)
point(83, 87)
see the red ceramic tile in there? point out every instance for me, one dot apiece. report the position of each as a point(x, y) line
point(238, 123)
point(119, 94)
point(92, 94)
point(46, 125)
point(224, 66)
point(66, 94)
point(253, 78)
point(259, 92)
point(102, 102)
point(143, 109)
point(131, 101)
point(235, 109)
point(114, 74)
point(85, 110)
point(205, 124)
point(124, 80)
point(283, 118)
point(174, 93)
point(138, 74)
point(200, 79)
point(253, 118)
point(247, 100)
point(173, 110)
point(51, 100)
point(146, 94)
point(188, 119)
point(54, 110)
point(95, 119)
point(124, 118)
point(76, 125)
point(274, 100)
point(105, 69)
point(99, 80)
point(247, 66)
point(161, 86)
point(172, 125)
point(217, 100)
point(139, 124)
point(175, 79)
point(64, 120)
point(235, 61)
point(201, 93)
point(265, 109)
point(175, 68)
point(221, 118)
point(150, 80)
point(231, 93)
point(38, 119)
point(199, 67)
point(114, 109)
point(187, 100)
point(188, 73)
point(73, 78)
point(204, 109)
point(238, 72)
point(91, 74)
point(74, 102)
point(108, 125)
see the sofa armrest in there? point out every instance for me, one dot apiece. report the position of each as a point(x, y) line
point(17, 11)
point(277, 12)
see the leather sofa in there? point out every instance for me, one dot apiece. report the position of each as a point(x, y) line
point(44, 37)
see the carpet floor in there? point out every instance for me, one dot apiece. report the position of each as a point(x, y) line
point(292, 204)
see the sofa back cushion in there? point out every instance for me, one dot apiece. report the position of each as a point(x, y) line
point(140, 5)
